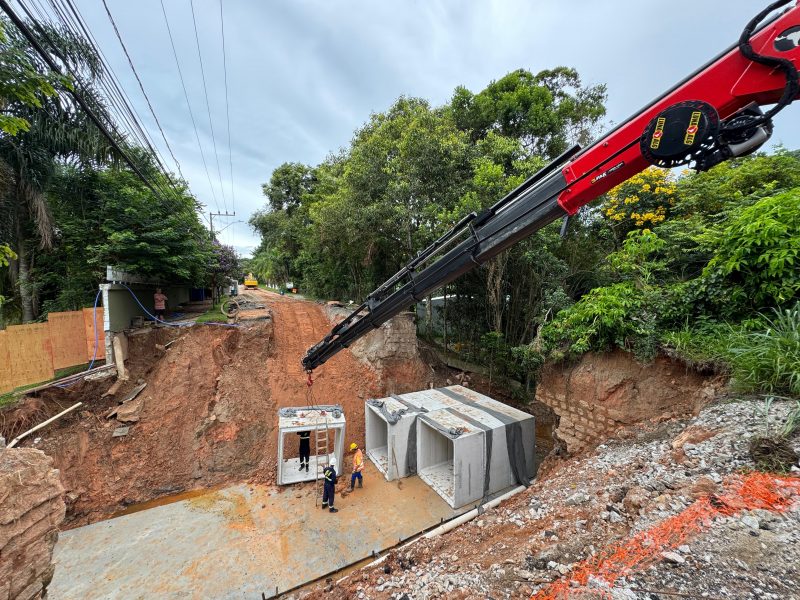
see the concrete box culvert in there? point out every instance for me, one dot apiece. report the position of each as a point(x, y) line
point(463, 444)
point(326, 426)
point(388, 429)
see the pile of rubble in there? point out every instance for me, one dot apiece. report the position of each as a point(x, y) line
point(587, 504)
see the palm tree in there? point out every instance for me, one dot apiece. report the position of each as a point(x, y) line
point(58, 131)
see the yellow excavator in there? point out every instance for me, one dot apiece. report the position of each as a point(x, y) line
point(250, 282)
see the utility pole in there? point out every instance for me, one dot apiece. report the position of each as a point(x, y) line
point(211, 216)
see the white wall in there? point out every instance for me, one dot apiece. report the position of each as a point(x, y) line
point(433, 447)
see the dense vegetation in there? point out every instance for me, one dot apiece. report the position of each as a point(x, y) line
point(68, 207)
point(704, 266)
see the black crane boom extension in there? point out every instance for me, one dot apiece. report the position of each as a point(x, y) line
point(523, 211)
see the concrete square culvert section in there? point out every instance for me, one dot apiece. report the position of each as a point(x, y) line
point(463, 444)
point(325, 427)
point(239, 542)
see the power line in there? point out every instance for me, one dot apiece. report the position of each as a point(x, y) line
point(141, 87)
point(227, 109)
point(113, 93)
point(208, 106)
point(34, 41)
point(188, 104)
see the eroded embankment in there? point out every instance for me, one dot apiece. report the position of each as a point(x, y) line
point(208, 413)
point(203, 421)
point(601, 393)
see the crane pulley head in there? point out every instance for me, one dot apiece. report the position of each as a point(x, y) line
point(681, 134)
point(691, 134)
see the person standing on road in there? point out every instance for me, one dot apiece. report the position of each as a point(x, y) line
point(329, 486)
point(160, 303)
point(358, 466)
point(305, 448)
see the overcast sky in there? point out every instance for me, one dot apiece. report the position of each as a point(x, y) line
point(302, 74)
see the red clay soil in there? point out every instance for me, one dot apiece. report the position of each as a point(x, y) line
point(205, 411)
point(209, 413)
point(342, 380)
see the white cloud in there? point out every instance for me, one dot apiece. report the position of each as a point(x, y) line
point(303, 75)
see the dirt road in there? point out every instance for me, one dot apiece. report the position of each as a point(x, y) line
point(298, 325)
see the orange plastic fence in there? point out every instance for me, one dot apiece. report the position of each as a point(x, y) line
point(748, 492)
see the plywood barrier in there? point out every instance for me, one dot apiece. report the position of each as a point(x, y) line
point(88, 322)
point(31, 353)
point(67, 334)
point(6, 377)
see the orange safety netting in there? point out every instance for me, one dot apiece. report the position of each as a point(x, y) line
point(747, 492)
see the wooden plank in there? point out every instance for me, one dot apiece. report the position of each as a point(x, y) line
point(70, 379)
point(88, 320)
point(67, 335)
point(6, 377)
point(30, 353)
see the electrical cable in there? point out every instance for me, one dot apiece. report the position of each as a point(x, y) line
point(123, 110)
point(141, 87)
point(96, 342)
point(126, 102)
point(208, 106)
point(188, 104)
point(114, 93)
point(37, 46)
point(227, 110)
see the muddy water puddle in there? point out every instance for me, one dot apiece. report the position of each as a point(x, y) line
point(164, 500)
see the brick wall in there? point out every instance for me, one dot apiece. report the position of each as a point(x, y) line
point(31, 510)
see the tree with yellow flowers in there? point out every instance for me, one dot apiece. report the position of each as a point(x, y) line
point(642, 202)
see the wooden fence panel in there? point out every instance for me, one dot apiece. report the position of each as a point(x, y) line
point(67, 335)
point(30, 353)
point(6, 376)
point(88, 320)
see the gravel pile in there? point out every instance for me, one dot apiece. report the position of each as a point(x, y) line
point(588, 503)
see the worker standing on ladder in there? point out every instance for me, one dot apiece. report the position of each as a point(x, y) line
point(358, 466)
point(329, 487)
point(305, 448)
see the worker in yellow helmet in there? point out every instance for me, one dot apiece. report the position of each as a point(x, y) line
point(358, 466)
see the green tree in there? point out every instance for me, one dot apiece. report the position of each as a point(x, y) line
point(758, 252)
point(287, 186)
point(159, 237)
point(642, 202)
point(21, 84)
point(58, 130)
point(546, 111)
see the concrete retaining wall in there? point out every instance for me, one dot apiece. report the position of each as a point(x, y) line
point(31, 510)
point(603, 392)
point(391, 350)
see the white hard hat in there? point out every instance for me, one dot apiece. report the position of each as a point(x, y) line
point(333, 462)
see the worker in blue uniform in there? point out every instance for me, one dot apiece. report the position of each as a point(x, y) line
point(329, 486)
point(305, 448)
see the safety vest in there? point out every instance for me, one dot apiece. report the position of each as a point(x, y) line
point(358, 461)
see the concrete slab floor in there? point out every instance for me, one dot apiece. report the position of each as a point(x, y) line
point(239, 542)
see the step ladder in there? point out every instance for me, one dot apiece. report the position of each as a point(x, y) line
point(321, 454)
